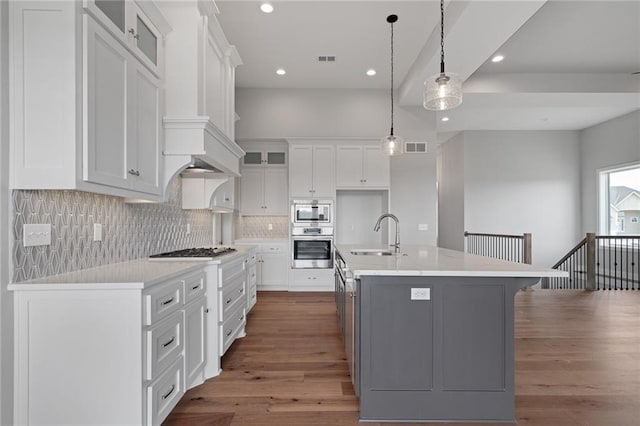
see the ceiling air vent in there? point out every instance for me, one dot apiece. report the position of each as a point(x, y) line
point(415, 147)
point(326, 58)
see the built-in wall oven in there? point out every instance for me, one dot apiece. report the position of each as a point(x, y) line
point(312, 247)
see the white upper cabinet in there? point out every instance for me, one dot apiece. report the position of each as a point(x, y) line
point(200, 68)
point(362, 166)
point(128, 22)
point(312, 171)
point(122, 101)
point(263, 185)
point(86, 97)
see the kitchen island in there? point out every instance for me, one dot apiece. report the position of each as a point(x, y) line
point(429, 332)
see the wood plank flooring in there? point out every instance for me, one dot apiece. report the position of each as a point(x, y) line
point(577, 364)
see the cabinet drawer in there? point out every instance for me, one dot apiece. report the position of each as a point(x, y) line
point(230, 329)
point(162, 300)
point(252, 297)
point(232, 295)
point(312, 276)
point(229, 270)
point(194, 286)
point(164, 393)
point(252, 275)
point(250, 260)
point(164, 343)
point(272, 248)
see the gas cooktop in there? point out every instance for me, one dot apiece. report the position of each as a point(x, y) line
point(197, 253)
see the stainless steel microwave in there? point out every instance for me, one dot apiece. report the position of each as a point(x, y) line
point(312, 213)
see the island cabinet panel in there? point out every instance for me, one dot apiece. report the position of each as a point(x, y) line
point(474, 342)
point(400, 356)
point(445, 357)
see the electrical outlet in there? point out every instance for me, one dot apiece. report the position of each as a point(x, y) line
point(423, 227)
point(420, 294)
point(270, 227)
point(97, 232)
point(36, 234)
point(188, 228)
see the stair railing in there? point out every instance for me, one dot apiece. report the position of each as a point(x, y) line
point(515, 248)
point(600, 262)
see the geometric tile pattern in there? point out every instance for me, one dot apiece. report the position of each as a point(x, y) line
point(129, 231)
point(258, 227)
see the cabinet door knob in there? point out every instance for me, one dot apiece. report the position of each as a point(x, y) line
point(133, 33)
point(134, 172)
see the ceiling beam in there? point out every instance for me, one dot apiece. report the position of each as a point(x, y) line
point(474, 30)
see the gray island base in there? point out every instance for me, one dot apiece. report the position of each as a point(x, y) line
point(449, 358)
point(434, 344)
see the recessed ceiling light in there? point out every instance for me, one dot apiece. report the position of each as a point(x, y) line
point(281, 71)
point(497, 58)
point(266, 7)
point(445, 119)
point(371, 72)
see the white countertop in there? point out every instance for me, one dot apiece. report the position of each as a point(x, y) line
point(436, 262)
point(135, 274)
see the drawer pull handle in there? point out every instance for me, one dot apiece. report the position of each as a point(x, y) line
point(164, 345)
point(229, 333)
point(196, 287)
point(166, 302)
point(228, 301)
point(166, 395)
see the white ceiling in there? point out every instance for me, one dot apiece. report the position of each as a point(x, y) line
point(567, 64)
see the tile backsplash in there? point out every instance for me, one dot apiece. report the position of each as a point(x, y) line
point(129, 231)
point(258, 227)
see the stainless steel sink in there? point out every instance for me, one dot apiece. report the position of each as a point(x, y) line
point(372, 252)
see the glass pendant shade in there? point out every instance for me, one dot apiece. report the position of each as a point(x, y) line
point(392, 145)
point(442, 92)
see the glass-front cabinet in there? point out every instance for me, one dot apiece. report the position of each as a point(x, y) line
point(127, 22)
point(265, 157)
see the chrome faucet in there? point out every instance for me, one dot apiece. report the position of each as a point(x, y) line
point(392, 216)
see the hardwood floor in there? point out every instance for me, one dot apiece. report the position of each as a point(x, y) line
point(577, 364)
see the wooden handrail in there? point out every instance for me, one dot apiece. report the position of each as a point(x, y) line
point(571, 253)
point(466, 234)
point(593, 266)
point(515, 248)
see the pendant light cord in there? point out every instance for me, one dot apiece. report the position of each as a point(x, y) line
point(442, 36)
point(391, 79)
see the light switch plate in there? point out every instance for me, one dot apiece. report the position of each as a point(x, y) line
point(36, 234)
point(420, 294)
point(423, 227)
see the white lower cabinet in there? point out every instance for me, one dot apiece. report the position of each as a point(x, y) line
point(251, 270)
point(272, 267)
point(311, 280)
point(107, 353)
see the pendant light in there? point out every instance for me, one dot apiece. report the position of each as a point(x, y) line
point(392, 144)
point(442, 91)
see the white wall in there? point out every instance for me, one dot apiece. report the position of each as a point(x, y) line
point(524, 181)
point(356, 215)
point(612, 143)
point(451, 190)
point(6, 301)
point(413, 182)
point(338, 113)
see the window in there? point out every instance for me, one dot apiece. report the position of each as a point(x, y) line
point(620, 201)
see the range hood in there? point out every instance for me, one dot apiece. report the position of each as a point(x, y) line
point(198, 142)
point(200, 187)
point(199, 120)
